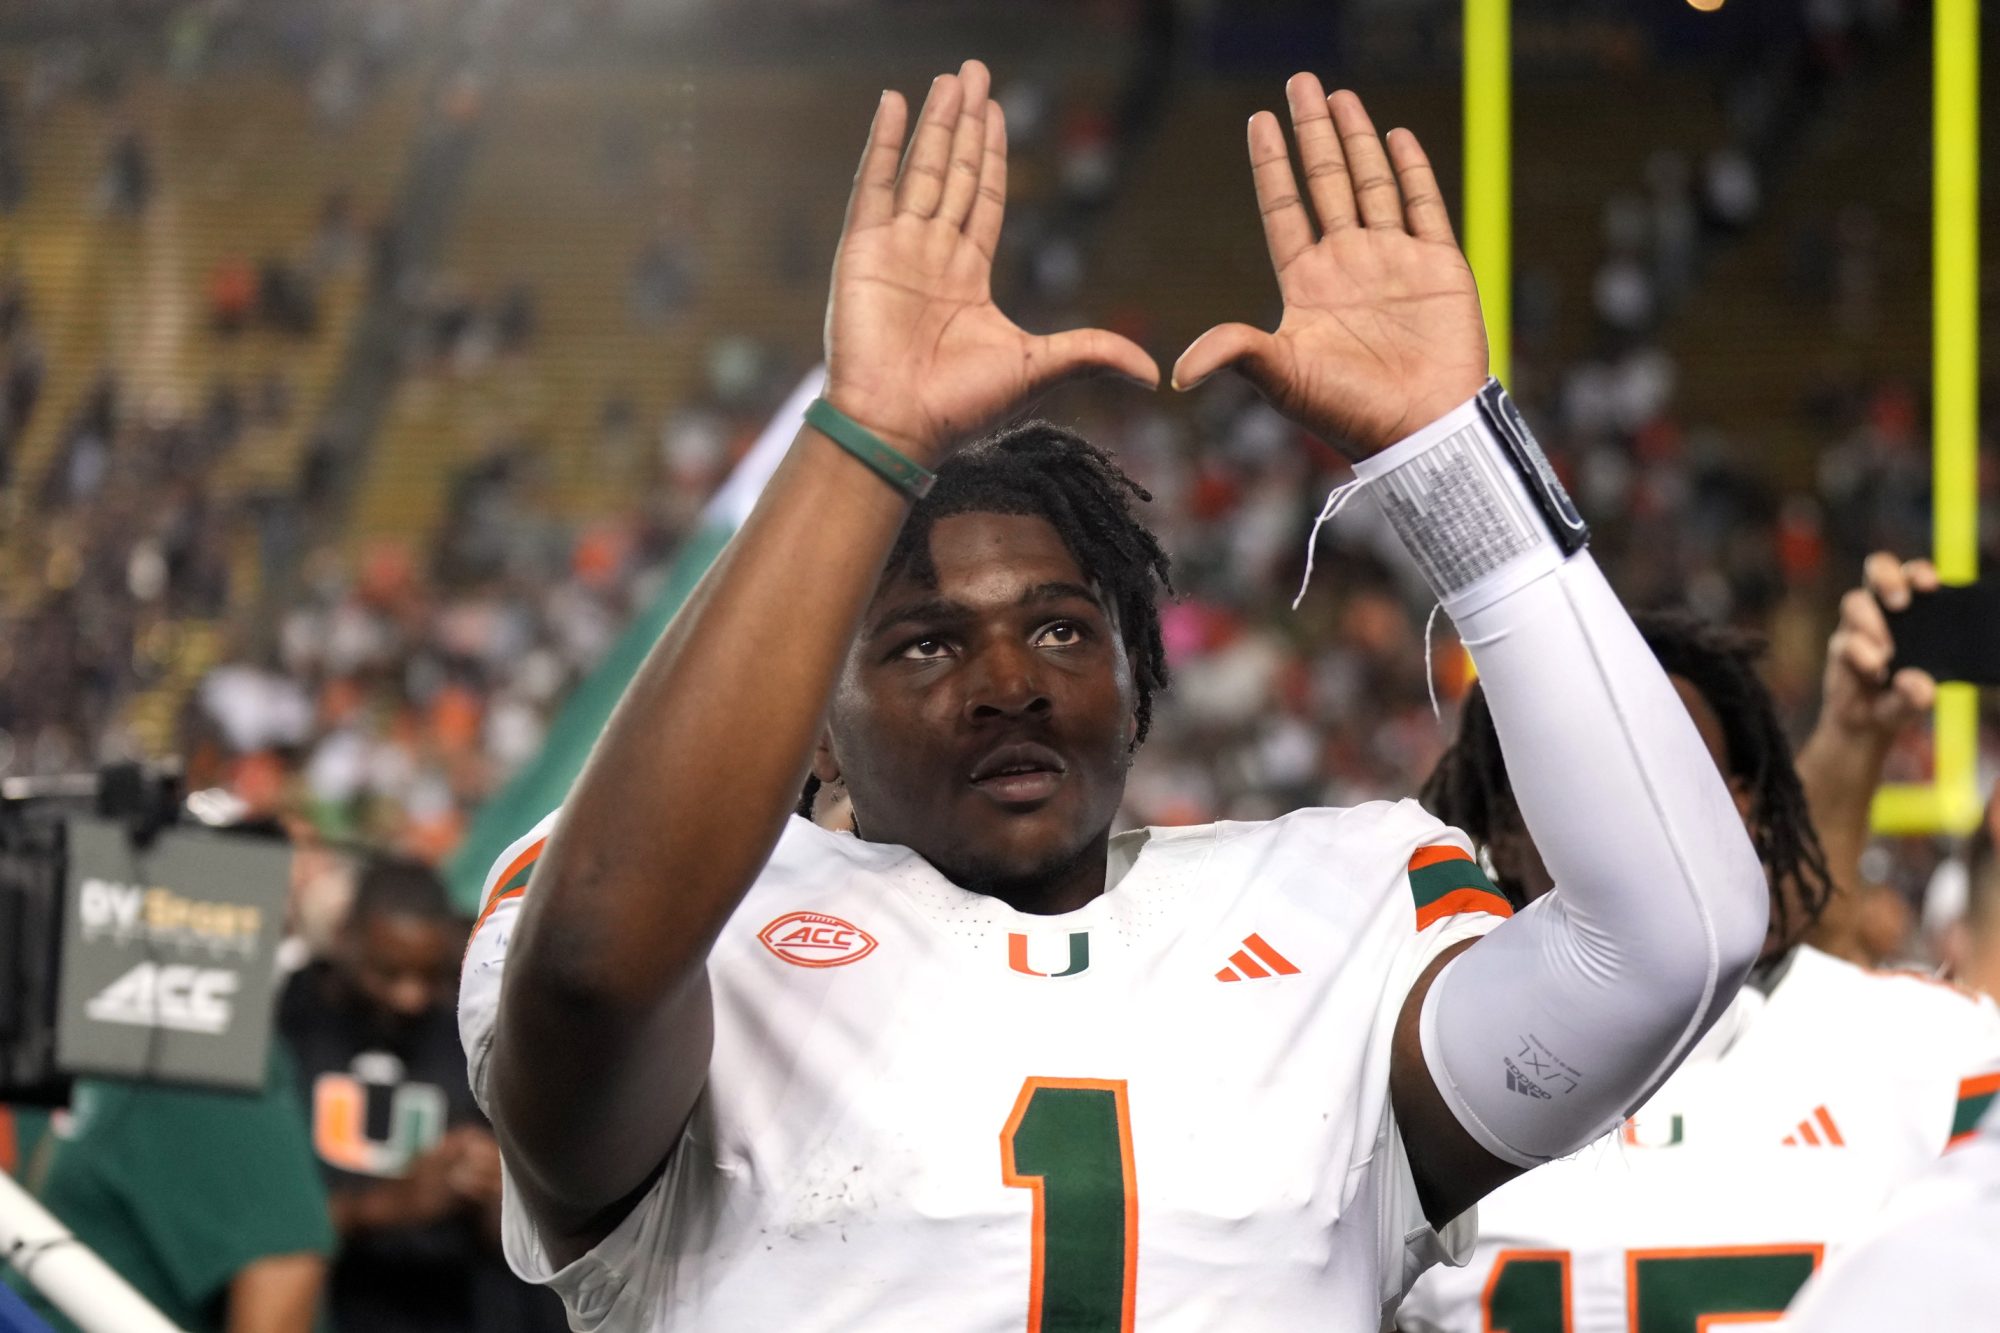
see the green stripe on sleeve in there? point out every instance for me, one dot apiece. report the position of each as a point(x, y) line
point(1971, 1110)
point(1433, 882)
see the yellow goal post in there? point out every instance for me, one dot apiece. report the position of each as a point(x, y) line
point(1950, 802)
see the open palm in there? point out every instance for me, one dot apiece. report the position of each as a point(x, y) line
point(1381, 332)
point(916, 348)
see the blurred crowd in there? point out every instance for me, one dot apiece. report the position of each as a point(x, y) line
point(401, 687)
point(398, 687)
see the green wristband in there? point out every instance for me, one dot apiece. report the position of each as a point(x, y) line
point(906, 475)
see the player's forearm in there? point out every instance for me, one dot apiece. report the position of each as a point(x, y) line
point(1548, 1029)
point(688, 788)
point(1840, 771)
point(603, 1034)
point(1661, 904)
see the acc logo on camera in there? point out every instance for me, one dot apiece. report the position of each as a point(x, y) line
point(813, 939)
point(169, 995)
point(168, 961)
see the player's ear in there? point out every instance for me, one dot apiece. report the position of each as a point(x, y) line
point(824, 766)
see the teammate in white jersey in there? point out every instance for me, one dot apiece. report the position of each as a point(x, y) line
point(1822, 1087)
point(1929, 1262)
point(979, 1065)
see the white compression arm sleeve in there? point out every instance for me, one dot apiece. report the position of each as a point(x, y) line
point(1548, 1031)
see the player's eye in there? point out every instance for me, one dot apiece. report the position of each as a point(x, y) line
point(925, 650)
point(1061, 634)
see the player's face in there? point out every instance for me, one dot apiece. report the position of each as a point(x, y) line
point(402, 965)
point(987, 722)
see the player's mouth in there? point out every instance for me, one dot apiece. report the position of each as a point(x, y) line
point(1019, 774)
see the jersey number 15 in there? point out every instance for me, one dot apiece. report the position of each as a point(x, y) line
point(1666, 1291)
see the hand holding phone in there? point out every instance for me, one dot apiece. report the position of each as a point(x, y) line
point(1953, 633)
point(1867, 695)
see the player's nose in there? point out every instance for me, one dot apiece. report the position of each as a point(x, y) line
point(1005, 681)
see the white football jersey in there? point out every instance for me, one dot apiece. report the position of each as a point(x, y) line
point(1167, 1110)
point(1775, 1143)
point(1929, 1264)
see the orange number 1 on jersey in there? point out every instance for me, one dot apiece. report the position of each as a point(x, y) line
point(1070, 1141)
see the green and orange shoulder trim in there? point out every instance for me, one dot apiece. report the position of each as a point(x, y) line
point(1975, 1099)
point(510, 877)
point(1445, 880)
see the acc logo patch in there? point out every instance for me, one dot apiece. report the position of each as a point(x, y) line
point(813, 939)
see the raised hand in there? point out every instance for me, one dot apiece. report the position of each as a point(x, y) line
point(1381, 333)
point(1861, 698)
point(915, 348)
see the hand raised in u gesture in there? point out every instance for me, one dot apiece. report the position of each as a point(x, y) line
point(1381, 333)
point(916, 350)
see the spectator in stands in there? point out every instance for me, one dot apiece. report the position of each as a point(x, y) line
point(23, 366)
point(337, 241)
point(232, 295)
point(85, 452)
point(412, 1171)
point(662, 282)
point(286, 302)
point(13, 170)
point(516, 319)
point(1731, 193)
point(127, 183)
point(206, 1202)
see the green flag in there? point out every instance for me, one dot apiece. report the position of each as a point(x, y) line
point(544, 781)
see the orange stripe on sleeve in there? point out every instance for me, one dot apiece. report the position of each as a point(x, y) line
point(1978, 1087)
point(1430, 856)
point(514, 870)
point(527, 858)
point(1463, 900)
point(494, 905)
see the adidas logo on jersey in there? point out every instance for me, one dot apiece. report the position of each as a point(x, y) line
point(1817, 1130)
point(1255, 961)
point(1521, 1083)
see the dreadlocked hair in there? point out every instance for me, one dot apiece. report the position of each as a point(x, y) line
point(1038, 469)
point(1470, 790)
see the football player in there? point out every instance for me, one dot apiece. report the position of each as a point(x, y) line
point(1821, 1088)
point(1927, 1261)
point(979, 1065)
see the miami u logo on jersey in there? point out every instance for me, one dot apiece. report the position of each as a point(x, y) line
point(1079, 955)
point(340, 1119)
point(1657, 1132)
